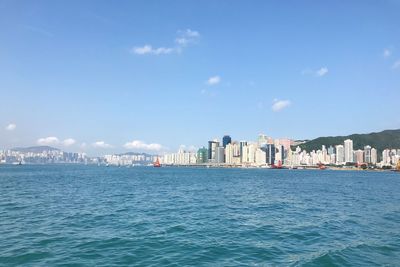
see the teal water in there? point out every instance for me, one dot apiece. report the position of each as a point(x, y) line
point(96, 216)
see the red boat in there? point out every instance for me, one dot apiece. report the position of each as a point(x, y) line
point(321, 166)
point(279, 166)
point(157, 163)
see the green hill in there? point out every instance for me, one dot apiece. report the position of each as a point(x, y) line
point(380, 141)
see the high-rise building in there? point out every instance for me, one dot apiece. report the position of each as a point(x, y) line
point(229, 151)
point(226, 140)
point(270, 152)
point(331, 150)
point(262, 140)
point(212, 147)
point(261, 157)
point(359, 156)
point(220, 155)
point(367, 154)
point(251, 149)
point(374, 156)
point(202, 155)
point(241, 145)
point(348, 150)
point(244, 156)
point(339, 154)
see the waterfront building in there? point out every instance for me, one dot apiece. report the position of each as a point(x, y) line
point(374, 156)
point(285, 142)
point(359, 156)
point(241, 145)
point(220, 155)
point(331, 150)
point(270, 153)
point(261, 157)
point(229, 154)
point(348, 150)
point(367, 154)
point(251, 153)
point(332, 159)
point(226, 140)
point(340, 154)
point(212, 147)
point(202, 155)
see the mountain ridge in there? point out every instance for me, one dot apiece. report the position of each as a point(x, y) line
point(379, 140)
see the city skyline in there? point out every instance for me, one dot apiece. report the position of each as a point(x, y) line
point(151, 76)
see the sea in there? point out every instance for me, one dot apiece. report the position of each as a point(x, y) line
point(77, 215)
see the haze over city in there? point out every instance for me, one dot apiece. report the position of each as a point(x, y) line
point(152, 76)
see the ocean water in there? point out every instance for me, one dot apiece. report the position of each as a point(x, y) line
point(55, 215)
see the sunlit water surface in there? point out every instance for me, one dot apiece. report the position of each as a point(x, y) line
point(97, 216)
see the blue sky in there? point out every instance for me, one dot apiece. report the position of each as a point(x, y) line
point(103, 76)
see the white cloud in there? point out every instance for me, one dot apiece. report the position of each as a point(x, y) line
point(319, 73)
point(101, 144)
point(184, 38)
point(11, 127)
point(322, 71)
point(387, 53)
point(148, 49)
point(396, 64)
point(137, 144)
point(46, 141)
point(68, 142)
point(214, 80)
point(280, 105)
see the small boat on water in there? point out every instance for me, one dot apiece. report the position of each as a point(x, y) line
point(157, 163)
point(278, 166)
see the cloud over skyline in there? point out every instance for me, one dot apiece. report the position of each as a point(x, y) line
point(46, 141)
point(101, 144)
point(137, 144)
point(11, 127)
point(68, 142)
point(52, 141)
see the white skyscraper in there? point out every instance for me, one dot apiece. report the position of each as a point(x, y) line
point(348, 150)
point(374, 156)
point(339, 154)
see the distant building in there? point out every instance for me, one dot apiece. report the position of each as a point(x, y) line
point(367, 154)
point(229, 154)
point(348, 150)
point(270, 153)
point(212, 147)
point(261, 157)
point(262, 140)
point(340, 154)
point(359, 156)
point(331, 150)
point(220, 155)
point(202, 155)
point(226, 140)
point(241, 145)
point(374, 156)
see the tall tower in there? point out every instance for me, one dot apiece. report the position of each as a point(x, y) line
point(348, 150)
point(367, 154)
point(339, 154)
point(212, 147)
point(226, 140)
